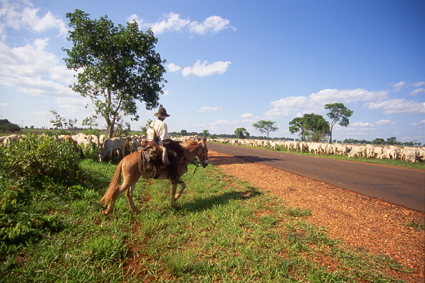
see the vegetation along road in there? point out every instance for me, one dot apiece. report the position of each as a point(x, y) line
point(405, 187)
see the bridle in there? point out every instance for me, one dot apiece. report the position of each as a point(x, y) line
point(204, 161)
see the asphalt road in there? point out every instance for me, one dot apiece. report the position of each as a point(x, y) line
point(398, 186)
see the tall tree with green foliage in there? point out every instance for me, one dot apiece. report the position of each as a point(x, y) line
point(205, 133)
point(116, 66)
point(297, 126)
point(316, 127)
point(265, 127)
point(311, 127)
point(338, 112)
point(241, 133)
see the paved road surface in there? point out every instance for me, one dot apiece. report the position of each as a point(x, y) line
point(399, 186)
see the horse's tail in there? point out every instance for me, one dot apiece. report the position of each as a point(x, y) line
point(113, 186)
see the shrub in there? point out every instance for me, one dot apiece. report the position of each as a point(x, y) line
point(37, 159)
point(27, 168)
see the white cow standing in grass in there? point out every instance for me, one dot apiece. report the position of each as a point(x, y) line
point(110, 146)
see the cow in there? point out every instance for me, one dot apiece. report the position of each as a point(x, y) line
point(341, 149)
point(315, 147)
point(357, 151)
point(109, 147)
point(83, 140)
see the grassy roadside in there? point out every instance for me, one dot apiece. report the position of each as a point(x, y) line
point(384, 162)
point(224, 230)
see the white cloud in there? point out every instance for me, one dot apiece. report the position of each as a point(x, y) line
point(418, 84)
point(361, 124)
point(383, 122)
point(246, 115)
point(393, 106)
point(3, 104)
point(212, 24)
point(293, 105)
point(347, 95)
point(418, 90)
point(418, 123)
point(208, 108)
point(202, 70)
point(173, 67)
point(22, 14)
point(173, 22)
point(399, 86)
point(31, 69)
point(222, 123)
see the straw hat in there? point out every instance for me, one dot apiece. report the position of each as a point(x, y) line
point(162, 113)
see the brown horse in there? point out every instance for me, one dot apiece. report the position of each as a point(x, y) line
point(129, 166)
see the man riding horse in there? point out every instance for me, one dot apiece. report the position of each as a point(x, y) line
point(158, 133)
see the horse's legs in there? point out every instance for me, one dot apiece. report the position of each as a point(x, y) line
point(129, 195)
point(175, 196)
point(183, 186)
point(122, 189)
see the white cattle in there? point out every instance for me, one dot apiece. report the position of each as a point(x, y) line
point(110, 146)
point(314, 147)
point(83, 140)
point(357, 151)
point(341, 149)
point(136, 142)
point(8, 139)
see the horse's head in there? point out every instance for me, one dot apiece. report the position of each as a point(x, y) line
point(203, 153)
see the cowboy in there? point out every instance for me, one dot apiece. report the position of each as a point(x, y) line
point(159, 127)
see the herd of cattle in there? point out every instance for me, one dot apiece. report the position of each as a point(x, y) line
point(107, 147)
point(122, 146)
point(408, 154)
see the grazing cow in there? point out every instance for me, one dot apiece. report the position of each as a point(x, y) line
point(111, 146)
point(136, 143)
point(8, 139)
point(359, 151)
point(83, 140)
point(315, 147)
point(341, 149)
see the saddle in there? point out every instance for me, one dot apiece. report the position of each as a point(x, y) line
point(155, 158)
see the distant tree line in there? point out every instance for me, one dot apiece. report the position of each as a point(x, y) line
point(6, 126)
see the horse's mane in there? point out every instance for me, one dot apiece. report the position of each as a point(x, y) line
point(188, 143)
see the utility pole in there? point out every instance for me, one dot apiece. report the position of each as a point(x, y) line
point(22, 123)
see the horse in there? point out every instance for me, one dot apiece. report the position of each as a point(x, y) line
point(130, 169)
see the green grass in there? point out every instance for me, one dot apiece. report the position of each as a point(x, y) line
point(224, 230)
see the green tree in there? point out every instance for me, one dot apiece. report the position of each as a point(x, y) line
point(297, 126)
point(265, 127)
point(205, 133)
point(116, 66)
point(338, 112)
point(241, 133)
point(144, 129)
point(392, 141)
point(57, 121)
point(90, 122)
point(378, 141)
point(316, 127)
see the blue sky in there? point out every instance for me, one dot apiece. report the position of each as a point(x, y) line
point(233, 63)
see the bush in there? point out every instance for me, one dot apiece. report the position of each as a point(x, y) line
point(38, 159)
point(27, 169)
